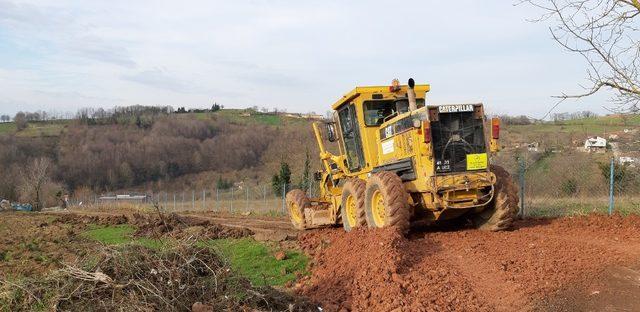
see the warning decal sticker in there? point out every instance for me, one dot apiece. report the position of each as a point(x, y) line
point(477, 161)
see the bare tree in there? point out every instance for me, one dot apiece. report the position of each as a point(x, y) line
point(33, 179)
point(21, 121)
point(605, 34)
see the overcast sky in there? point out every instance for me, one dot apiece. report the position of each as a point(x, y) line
point(295, 55)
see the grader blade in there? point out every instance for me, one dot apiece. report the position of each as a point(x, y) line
point(317, 218)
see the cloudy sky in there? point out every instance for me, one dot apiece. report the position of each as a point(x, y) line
point(60, 55)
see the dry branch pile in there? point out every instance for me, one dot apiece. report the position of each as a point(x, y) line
point(135, 278)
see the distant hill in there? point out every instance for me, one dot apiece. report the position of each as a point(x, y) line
point(171, 151)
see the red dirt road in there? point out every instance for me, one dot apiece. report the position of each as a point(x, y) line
point(582, 263)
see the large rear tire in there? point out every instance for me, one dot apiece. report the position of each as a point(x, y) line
point(297, 201)
point(352, 208)
point(387, 202)
point(503, 208)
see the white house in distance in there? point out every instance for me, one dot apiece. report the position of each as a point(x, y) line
point(595, 144)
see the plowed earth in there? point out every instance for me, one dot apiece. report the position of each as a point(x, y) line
point(581, 263)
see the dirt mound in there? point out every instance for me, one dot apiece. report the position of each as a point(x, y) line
point(464, 269)
point(135, 278)
point(372, 270)
point(161, 225)
point(73, 218)
point(178, 226)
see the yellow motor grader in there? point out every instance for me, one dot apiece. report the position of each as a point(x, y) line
point(402, 162)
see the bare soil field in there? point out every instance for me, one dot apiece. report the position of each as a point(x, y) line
point(569, 264)
point(587, 263)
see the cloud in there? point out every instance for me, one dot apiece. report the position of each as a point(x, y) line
point(160, 79)
point(275, 53)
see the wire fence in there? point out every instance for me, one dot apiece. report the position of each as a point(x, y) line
point(550, 184)
point(557, 184)
point(260, 199)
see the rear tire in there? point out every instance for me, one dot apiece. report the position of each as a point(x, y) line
point(297, 201)
point(387, 202)
point(352, 207)
point(502, 210)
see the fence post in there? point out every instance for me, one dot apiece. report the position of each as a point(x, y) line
point(522, 181)
point(193, 200)
point(174, 202)
point(611, 171)
point(247, 202)
point(204, 200)
point(231, 209)
point(264, 197)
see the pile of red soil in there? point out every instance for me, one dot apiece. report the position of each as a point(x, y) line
point(465, 269)
point(371, 270)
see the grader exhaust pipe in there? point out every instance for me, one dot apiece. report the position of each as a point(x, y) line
point(411, 95)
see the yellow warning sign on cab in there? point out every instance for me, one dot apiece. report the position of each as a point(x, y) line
point(477, 161)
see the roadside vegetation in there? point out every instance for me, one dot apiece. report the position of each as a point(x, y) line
point(253, 260)
point(76, 262)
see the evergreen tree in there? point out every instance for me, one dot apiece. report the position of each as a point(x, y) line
point(305, 182)
point(281, 179)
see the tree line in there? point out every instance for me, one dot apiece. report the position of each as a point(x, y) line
point(123, 155)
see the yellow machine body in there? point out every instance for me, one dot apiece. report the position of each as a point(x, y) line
point(372, 137)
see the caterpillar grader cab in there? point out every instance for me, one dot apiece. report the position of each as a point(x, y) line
point(401, 162)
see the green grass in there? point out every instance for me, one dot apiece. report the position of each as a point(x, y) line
point(36, 129)
point(255, 261)
point(556, 207)
point(121, 234)
point(7, 127)
point(613, 120)
point(587, 125)
point(235, 115)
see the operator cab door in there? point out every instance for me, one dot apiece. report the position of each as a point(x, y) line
point(351, 137)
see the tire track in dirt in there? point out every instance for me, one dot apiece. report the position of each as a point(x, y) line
point(491, 284)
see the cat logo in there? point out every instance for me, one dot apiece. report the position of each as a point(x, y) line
point(458, 108)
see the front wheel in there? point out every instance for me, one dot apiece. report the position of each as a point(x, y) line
point(387, 202)
point(502, 210)
point(297, 201)
point(352, 207)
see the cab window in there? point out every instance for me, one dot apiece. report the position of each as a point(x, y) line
point(378, 111)
point(351, 137)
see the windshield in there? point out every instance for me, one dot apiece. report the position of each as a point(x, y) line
point(375, 112)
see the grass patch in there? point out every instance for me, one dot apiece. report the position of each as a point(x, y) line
point(256, 262)
point(7, 127)
point(556, 207)
point(44, 129)
point(121, 234)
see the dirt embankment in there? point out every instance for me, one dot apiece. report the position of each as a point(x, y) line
point(162, 225)
point(571, 263)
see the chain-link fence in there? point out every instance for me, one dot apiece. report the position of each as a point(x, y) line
point(568, 183)
point(550, 184)
point(259, 199)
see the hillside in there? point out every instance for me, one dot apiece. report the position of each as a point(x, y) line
point(159, 152)
point(177, 152)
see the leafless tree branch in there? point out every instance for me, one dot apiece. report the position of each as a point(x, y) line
point(605, 34)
